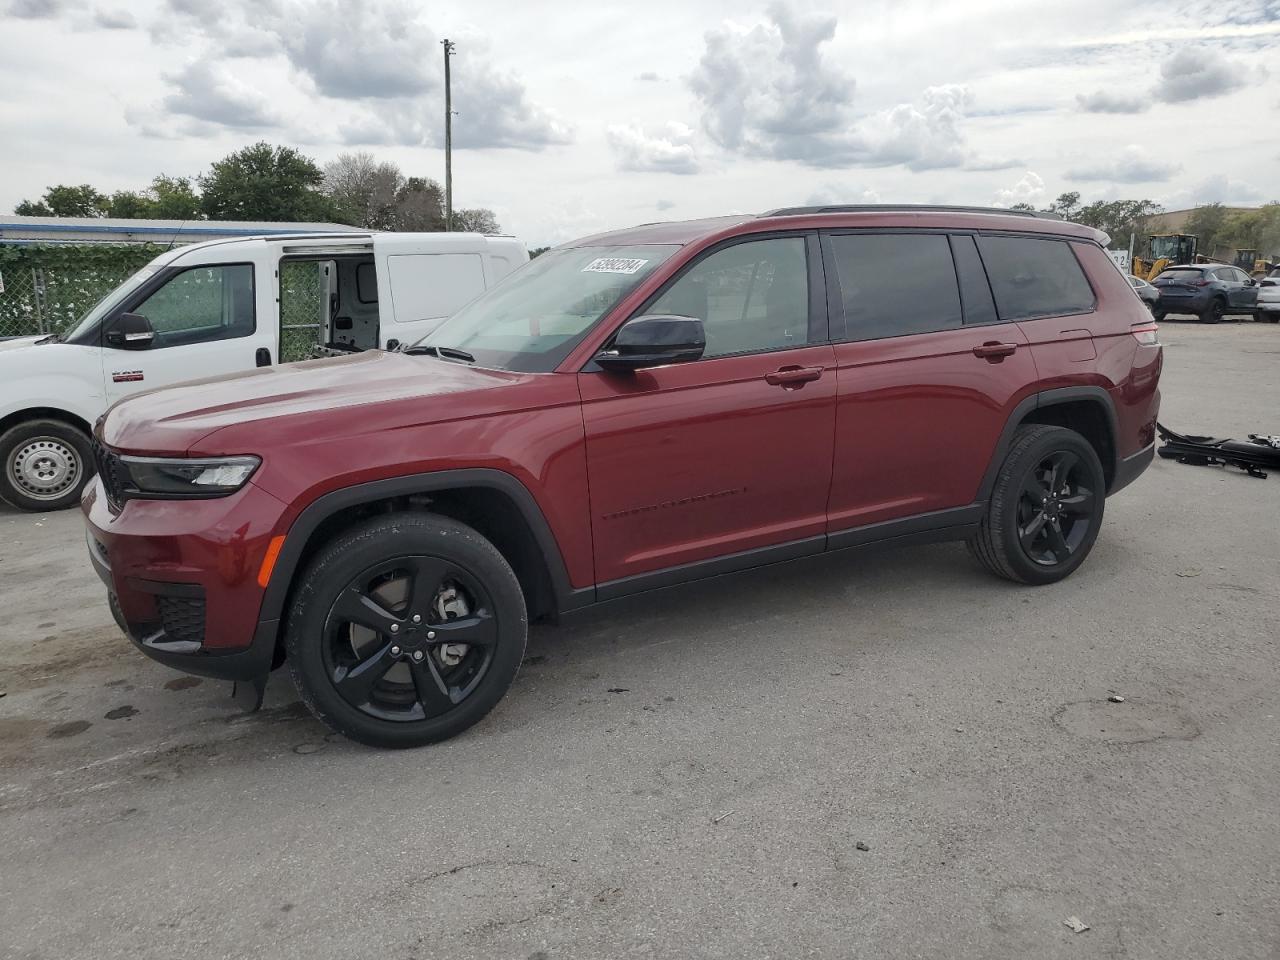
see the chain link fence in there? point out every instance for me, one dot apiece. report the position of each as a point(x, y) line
point(304, 308)
point(48, 289)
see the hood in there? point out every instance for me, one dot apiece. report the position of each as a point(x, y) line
point(17, 343)
point(315, 398)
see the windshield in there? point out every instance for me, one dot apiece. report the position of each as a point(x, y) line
point(532, 320)
point(107, 303)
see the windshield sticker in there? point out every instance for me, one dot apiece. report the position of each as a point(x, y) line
point(614, 265)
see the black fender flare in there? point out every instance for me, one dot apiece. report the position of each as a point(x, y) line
point(282, 575)
point(1038, 401)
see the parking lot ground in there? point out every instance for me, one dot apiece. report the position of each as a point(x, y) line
point(691, 773)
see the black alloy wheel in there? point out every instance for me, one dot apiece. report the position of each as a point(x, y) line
point(405, 629)
point(409, 638)
point(1045, 508)
point(1215, 311)
point(1055, 509)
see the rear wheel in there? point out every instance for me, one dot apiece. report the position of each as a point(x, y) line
point(406, 630)
point(1215, 311)
point(1157, 313)
point(45, 465)
point(1045, 509)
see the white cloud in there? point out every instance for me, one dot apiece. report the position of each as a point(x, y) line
point(1103, 101)
point(1196, 72)
point(666, 149)
point(830, 194)
point(206, 98)
point(1131, 165)
point(1029, 188)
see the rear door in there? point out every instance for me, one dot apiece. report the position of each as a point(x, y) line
point(208, 320)
point(423, 279)
point(926, 376)
point(730, 453)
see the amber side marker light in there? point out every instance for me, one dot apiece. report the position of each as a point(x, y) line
point(269, 561)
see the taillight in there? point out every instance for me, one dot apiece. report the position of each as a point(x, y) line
point(1147, 334)
point(1200, 283)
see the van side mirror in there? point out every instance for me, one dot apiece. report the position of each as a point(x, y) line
point(131, 331)
point(653, 341)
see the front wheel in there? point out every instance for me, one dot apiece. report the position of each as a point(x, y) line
point(405, 630)
point(1045, 509)
point(46, 464)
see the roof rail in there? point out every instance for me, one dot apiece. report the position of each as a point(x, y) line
point(908, 207)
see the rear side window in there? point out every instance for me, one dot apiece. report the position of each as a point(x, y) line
point(1031, 277)
point(895, 284)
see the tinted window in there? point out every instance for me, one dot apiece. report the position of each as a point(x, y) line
point(975, 292)
point(895, 284)
point(202, 304)
point(1240, 275)
point(1034, 278)
point(750, 297)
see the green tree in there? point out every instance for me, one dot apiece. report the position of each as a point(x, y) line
point(537, 252)
point(262, 182)
point(1024, 206)
point(1119, 218)
point(66, 201)
point(174, 198)
point(1067, 205)
point(419, 205)
point(29, 208)
point(1207, 223)
point(129, 205)
point(475, 220)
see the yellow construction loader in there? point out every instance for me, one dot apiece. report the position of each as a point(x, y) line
point(1164, 250)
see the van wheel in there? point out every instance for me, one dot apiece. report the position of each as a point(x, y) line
point(1046, 507)
point(405, 630)
point(1216, 310)
point(46, 464)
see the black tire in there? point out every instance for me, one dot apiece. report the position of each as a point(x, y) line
point(1157, 314)
point(1215, 311)
point(1012, 516)
point(318, 637)
point(44, 465)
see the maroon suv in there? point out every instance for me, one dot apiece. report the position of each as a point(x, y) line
point(628, 411)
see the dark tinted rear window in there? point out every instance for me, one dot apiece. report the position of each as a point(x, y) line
point(895, 284)
point(1034, 278)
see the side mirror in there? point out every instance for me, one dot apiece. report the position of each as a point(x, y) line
point(131, 331)
point(653, 341)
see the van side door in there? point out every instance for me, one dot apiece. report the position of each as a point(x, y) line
point(207, 320)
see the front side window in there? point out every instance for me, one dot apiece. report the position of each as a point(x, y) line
point(200, 305)
point(534, 318)
point(896, 284)
point(1032, 278)
point(750, 297)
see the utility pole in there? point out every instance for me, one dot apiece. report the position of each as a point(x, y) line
point(448, 138)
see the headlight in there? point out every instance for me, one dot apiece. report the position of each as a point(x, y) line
point(165, 478)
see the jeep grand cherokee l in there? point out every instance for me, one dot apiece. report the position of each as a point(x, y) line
point(627, 411)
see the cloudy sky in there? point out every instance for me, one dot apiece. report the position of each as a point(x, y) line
point(573, 117)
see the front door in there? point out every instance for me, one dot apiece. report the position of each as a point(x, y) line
point(206, 324)
point(729, 453)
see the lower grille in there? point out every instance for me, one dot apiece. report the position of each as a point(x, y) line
point(182, 618)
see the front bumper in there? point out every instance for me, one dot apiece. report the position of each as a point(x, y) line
point(181, 576)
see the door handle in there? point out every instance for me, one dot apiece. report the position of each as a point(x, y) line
point(263, 357)
point(994, 351)
point(792, 377)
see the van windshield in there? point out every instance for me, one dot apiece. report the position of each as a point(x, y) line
point(109, 302)
point(533, 319)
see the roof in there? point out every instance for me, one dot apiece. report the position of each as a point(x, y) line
point(811, 218)
point(117, 230)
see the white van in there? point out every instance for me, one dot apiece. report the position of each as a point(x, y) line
point(221, 307)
